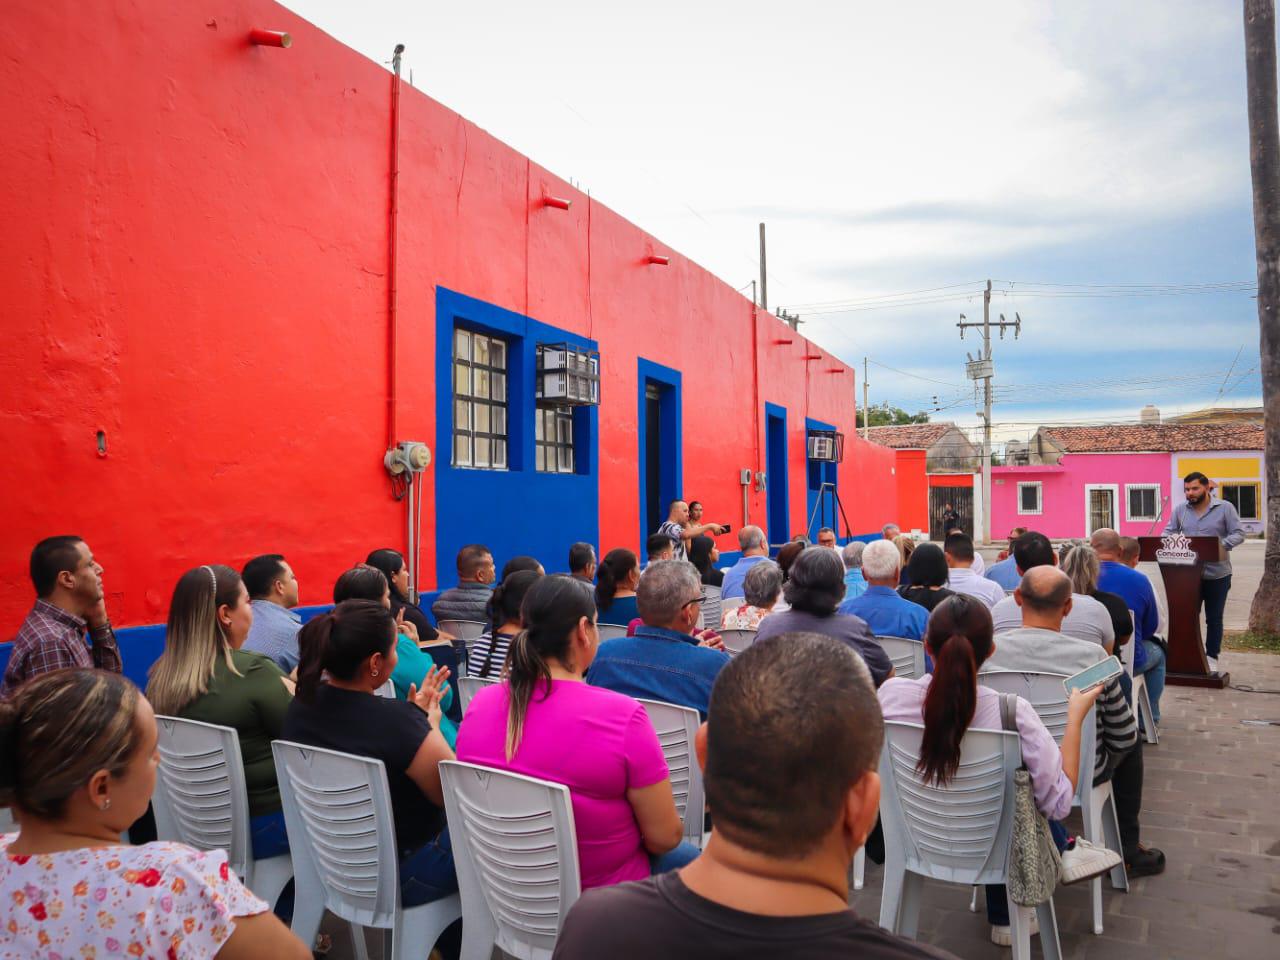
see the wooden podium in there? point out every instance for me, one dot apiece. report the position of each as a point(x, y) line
point(1182, 559)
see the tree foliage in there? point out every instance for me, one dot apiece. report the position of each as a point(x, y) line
point(883, 415)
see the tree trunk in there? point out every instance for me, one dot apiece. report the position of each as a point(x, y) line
point(1264, 165)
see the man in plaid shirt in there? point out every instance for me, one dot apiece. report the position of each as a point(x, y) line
point(69, 599)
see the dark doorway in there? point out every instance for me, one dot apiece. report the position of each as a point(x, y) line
point(959, 497)
point(776, 472)
point(654, 514)
point(660, 466)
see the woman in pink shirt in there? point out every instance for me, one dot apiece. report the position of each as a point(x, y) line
point(545, 722)
point(949, 701)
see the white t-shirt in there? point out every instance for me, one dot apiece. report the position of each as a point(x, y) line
point(1088, 619)
point(156, 900)
point(964, 580)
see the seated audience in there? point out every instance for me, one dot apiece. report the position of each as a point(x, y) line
point(582, 563)
point(659, 547)
point(754, 547)
point(679, 529)
point(1129, 550)
point(786, 559)
point(890, 531)
point(664, 660)
point(469, 599)
point(773, 878)
point(616, 583)
point(489, 653)
point(545, 722)
point(69, 602)
point(346, 655)
point(979, 565)
point(950, 701)
point(77, 765)
point(814, 591)
point(204, 674)
point(411, 665)
point(906, 547)
point(1039, 646)
point(273, 593)
point(965, 577)
point(1080, 564)
point(1005, 572)
point(1135, 590)
point(827, 538)
point(924, 578)
point(1089, 619)
point(886, 613)
point(854, 583)
point(763, 586)
point(516, 564)
point(704, 555)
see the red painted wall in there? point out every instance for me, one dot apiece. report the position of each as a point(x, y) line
point(951, 480)
point(196, 245)
point(913, 489)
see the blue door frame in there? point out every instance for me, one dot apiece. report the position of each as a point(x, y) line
point(776, 493)
point(671, 440)
point(819, 472)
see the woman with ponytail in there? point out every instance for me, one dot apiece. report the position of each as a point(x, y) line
point(544, 721)
point(950, 701)
point(488, 654)
point(203, 674)
point(616, 580)
point(345, 656)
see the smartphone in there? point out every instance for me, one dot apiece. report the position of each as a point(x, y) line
point(727, 528)
point(1098, 673)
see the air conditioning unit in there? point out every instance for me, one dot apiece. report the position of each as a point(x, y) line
point(568, 375)
point(826, 446)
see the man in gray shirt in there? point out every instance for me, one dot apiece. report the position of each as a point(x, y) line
point(1086, 620)
point(1203, 516)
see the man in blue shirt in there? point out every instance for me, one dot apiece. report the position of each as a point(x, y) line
point(1203, 516)
point(273, 593)
point(886, 613)
point(1115, 576)
point(1006, 572)
point(664, 661)
point(754, 549)
point(854, 584)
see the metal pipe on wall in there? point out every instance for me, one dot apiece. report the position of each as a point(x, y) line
point(393, 219)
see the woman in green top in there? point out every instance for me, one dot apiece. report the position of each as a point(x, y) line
point(364, 582)
point(204, 675)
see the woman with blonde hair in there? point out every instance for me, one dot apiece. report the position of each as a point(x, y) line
point(78, 765)
point(204, 675)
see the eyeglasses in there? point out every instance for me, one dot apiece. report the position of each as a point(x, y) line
point(700, 598)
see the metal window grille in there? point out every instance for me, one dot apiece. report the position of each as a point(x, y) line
point(479, 401)
point(553, 439)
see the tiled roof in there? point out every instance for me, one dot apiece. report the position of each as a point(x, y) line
point(1159, 437)
point(910, 436)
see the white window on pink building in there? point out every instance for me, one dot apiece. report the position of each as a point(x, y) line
point(1030, 501)
point(1142, 501)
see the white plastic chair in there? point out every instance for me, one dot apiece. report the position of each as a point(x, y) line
point(676, 728)
point(342, 837)
point(906, 655)
point(735, 641)
point(711, 608)
point(464, 629)
point(730, 603)
point(516, 853)
point(611, 631)
point(201, 800)
point(959, 833)
point(1141, 699)
point(1101, 824)
point(468, 686)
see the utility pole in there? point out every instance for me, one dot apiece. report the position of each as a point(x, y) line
point(764, 284)
point(982, 368)
point(866, 404)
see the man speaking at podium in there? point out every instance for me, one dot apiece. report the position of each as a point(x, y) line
point(1202, 515)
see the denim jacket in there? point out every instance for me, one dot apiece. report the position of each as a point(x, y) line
point(659, 664)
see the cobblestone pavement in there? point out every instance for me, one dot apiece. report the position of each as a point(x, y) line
point(1209, 803)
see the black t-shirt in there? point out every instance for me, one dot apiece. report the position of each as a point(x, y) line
point(1121, 621)
point(377, 727)
point(414, 615)
point(927, 597)
point(661, 917)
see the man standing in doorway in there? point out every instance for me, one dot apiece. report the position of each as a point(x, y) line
point(950, 519)
point(1204, 516)
point(679, 530)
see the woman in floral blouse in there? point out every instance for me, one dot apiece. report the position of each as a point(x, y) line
point(761, 587)
point(78, 765)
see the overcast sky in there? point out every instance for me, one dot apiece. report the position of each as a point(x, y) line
point(1090, 157)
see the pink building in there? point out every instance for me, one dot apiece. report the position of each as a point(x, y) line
point(1074, 480)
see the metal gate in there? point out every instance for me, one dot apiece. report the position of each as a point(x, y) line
point(961, 498)
point(1102, 508)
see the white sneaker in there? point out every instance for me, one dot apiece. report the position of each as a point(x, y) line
point(1213, 664)
point(1002, 936)
point(1084, 861)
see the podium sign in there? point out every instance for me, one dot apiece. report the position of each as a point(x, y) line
point(1182, 559)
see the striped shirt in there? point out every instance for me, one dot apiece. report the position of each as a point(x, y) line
point(54, 639)
point(487, 656)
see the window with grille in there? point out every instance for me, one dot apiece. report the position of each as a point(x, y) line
point(1142, 501)
point(1029, 498)
point(553, 439)
point(479, 401)
point(1243, 496)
